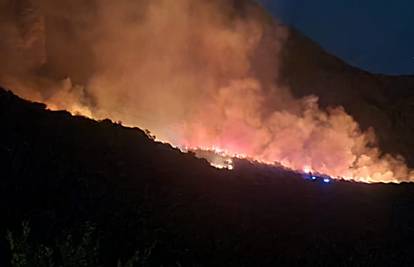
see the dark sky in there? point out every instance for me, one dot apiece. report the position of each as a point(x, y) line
point(375, 35)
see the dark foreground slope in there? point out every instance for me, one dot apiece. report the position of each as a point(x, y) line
point(59, 171)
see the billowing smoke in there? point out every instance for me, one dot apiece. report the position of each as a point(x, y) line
point(196, 73)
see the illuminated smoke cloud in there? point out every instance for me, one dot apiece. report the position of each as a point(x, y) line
point(197, 74)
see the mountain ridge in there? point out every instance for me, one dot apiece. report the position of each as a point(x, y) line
point(379, 101)
point(60, 170)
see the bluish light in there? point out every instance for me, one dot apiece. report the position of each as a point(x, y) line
point(313, 177)
point(326, 180)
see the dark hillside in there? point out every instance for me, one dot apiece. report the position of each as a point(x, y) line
point(60, 171)
point(385, 103)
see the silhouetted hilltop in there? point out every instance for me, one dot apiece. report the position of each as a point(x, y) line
point(56, 52)
point(385, 103)
point(59, 171)
point(63, 173)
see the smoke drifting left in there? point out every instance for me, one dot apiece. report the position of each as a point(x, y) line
point(198, 74)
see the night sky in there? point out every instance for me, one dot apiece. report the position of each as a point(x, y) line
point(375, 35)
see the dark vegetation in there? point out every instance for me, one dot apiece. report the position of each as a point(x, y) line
point(99, 194)
point(76, 192)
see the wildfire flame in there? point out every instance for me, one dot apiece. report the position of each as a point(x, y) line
point(200, 75)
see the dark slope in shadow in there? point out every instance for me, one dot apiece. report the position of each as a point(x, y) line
point(58, 171)
point(385, 103)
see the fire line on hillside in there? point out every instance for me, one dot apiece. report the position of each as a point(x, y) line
point(200, 75)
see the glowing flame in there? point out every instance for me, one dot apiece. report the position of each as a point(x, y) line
point(200, 75)
point(307, 169)
point(221, 156)
point(216, 157)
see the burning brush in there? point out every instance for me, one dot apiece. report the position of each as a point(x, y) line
point(217, 159)
point(198, 74)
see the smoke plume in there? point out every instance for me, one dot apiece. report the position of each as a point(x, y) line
point(196, 73)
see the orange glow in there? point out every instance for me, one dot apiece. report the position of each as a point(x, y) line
point(199, 75)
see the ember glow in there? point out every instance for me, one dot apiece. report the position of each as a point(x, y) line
point(200, 75)
point(217, 158)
